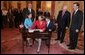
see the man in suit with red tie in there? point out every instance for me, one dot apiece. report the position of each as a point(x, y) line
point(76, 23)
point(63, 21)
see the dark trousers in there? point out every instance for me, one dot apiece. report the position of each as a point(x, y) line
point(73, 38)
point(4, 21)
point(24, 34)
point(10, 24)
point(61, 33)
point(16, 22)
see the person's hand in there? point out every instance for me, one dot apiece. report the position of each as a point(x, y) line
point(21, 26)
point(77, 30)
point(82, 34)
point(56, 24)
point(50, 30)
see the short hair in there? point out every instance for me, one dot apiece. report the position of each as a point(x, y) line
point(41, 16)
point(29, 3)
point(77, 4)
point(28, 14)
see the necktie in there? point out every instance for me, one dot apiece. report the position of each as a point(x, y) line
point(63, 13)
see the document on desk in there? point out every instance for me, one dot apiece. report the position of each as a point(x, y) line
point(32, 30)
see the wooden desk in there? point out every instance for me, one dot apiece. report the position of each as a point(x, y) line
point(36, 34)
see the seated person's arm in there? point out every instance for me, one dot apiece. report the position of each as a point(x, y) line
point(44, 26)
point(26, 24)
point(33, 26)
point(52, 27)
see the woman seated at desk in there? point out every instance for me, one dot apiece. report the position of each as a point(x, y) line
point(39, 24)
point(28, 24)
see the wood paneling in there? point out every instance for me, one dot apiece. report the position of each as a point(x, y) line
point(5, 4)
point(23, 4)
point(43, 5)
point(34, 5)
point(14, 4)
point(52, 8)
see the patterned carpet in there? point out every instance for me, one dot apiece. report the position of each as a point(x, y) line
point(11, 43)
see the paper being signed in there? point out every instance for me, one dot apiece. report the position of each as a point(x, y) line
point(32, 30)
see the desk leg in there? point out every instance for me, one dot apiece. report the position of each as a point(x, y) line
point(48, 45)
point(33, 41)
point(26, 43)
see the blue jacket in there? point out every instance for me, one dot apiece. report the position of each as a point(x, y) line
point(28, 23)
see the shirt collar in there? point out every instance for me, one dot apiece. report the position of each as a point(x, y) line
point(29, 9)
point(48, 22)
point(76, 10)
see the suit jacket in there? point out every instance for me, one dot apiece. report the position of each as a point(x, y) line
point(64, 20)
point(77, 20)
point(37, 25)
point(26, 11)
point(50, 26)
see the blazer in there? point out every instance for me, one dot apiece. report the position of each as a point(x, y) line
point(64, 20)
point(77, 20)
point(28, 23)
point(37, 25)
point(50, 26)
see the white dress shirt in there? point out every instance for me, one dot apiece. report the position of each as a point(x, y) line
point(48, 23)
point(29, 9)
point(76, 11)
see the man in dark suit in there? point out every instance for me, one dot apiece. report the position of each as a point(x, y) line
point(47, 13)
point(63, 21)
point(17, 18)
point(27, 11)
point(49, 28)
point(76, 23)
point(50, 25)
